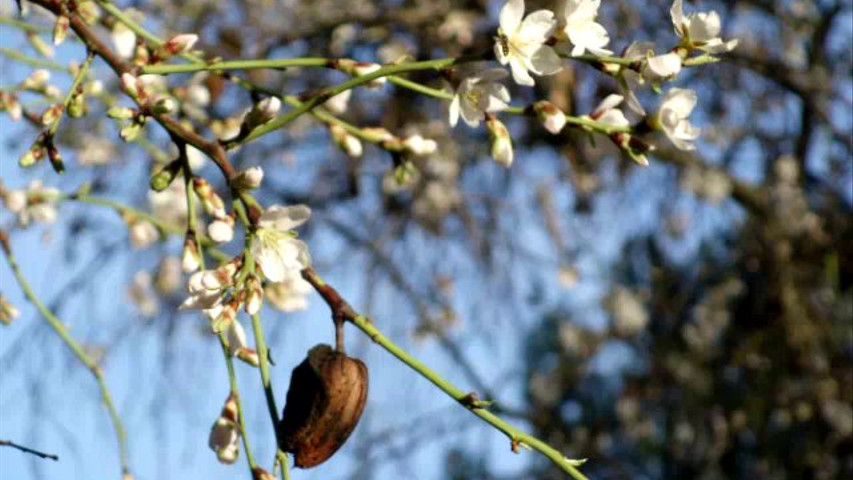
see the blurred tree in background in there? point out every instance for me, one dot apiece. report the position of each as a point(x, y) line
point(688, 319)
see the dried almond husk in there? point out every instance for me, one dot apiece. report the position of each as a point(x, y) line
point(327, 394)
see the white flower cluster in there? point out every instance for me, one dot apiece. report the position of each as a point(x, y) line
point(535, 43)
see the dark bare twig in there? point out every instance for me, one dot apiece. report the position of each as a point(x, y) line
point(9, 443)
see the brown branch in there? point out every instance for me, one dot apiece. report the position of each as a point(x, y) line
point(9, 443)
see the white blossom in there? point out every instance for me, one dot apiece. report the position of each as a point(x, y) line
point(142, 294)
point(700, 30)
point(124, 40)
point(607, 113)
point(143, 234)
point(477, 95)
point(221, 230)
point(290, 294)
point(419, 146)
point(275, 246)
point(521, 42)
point(672, 115)
point(577, 23)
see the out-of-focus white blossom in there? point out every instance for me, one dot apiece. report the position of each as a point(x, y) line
point(290, 294)
point(142, 294)
point(672, 118)
point(419, 146)
point(521, 42)
point(124, 40)
point(577, 24)
point(35, 204)
point(628, 312)
point(143, 234)
point(477, 95)
point(275, 246)
point(168, 277)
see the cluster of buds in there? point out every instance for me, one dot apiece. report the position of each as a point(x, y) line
point(360, 69)
point(35, 204)
point(37, 82)
point(210, 200)
point(225, 434)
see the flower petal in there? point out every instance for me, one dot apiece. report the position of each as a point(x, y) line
point(283, 219)
point(510, 16)
point(545, 61)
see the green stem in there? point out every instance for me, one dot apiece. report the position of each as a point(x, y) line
point(79, 352)
point(232, 381)
point(516, 436)
point(275, 63)
point(437, 64)
point(32, 61)
point(78, 78)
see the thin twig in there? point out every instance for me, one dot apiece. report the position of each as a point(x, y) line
point(9, 443)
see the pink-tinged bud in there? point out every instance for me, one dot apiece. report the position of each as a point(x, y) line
point(259, 473)
point(140, 55)
point(190, 258)
point(248, 355)
point(501, 142)
point(225, 434)
point(180, 43)
point(226, 318)
point(60, 29)
point(133, 88)
point(211, 202)
point(551, 117)
point(221, 230)
point(348, 143)
point(248, 179)
point(254, 295)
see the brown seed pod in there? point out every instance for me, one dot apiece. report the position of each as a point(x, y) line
point(327, 394)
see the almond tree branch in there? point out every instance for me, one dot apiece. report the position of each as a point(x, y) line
point(340, 308)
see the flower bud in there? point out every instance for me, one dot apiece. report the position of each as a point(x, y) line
point(221, 230)
point(77, 106)
point(348, 143)
point(419, 146)
point(365, 68)
point(36, 152)
point(133, 88)
point(163, 105)
point(52, 114)
point(190, 258)
point(210, 200)
point(131, 131)
point(55, 157)
point(9, 103)
point(248, 179)
point(60, 29)
point(248, 355)
point(225, 434)
point(551, 117)
point(254, 295)
point(501, 142)
point(121, 113)
point(180, 44)
point(261, 113)
point(89, 11)
point(143, 234)
point(339, 103)
point(161, 179)
point(36, 81)
point(8, 312)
